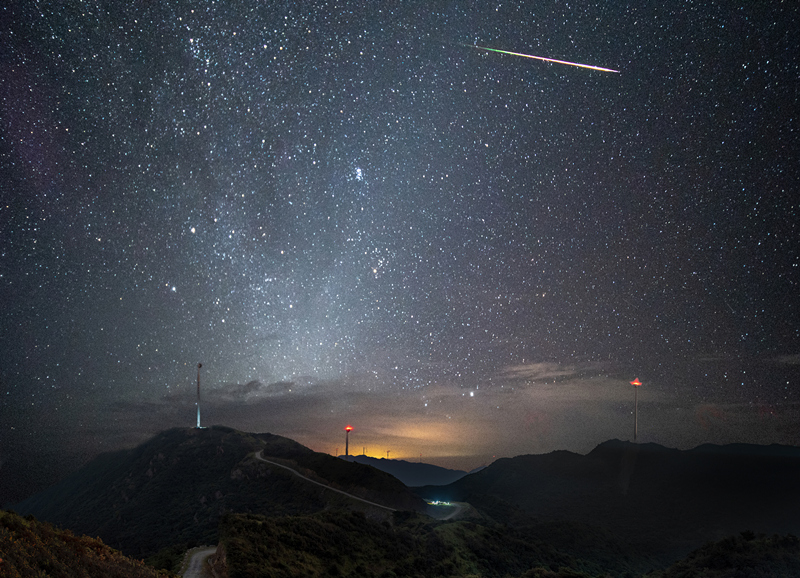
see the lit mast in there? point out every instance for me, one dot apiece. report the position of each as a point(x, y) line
point(635, 383)
point(199, 365)
point(348, 429)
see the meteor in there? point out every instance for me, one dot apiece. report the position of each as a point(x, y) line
point(542, 58)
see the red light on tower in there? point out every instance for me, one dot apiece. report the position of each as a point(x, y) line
point(348, 429)
point(635, 383)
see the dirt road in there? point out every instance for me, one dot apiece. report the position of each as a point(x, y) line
point(197, 562)
point(260, 456)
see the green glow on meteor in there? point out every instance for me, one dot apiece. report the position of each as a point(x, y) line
point(589, 66)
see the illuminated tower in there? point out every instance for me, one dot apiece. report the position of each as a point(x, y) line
point(199, 365)
point(635, 383)
point(348, 429)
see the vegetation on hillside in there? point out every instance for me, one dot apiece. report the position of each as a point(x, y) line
point(744, 556)
point(29, 548)
point(174, 488)
point(554, 516)
point(664, 502)
point(351, 544)
point(168, 490)
point(358, 479)
point(338, 543)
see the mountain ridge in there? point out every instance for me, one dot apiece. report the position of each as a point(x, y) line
point(174, 488)
point(667, 499)
point(412, 474)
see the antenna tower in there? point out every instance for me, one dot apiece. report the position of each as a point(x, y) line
point(199, 365)
point(636, 384)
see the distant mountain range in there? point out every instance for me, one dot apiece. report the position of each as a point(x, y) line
point(622, 509)
point(412, 473)
point(666, 501)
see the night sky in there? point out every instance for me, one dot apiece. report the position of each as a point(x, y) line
point(350, 214)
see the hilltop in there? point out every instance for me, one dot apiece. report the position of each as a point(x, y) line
point(173, 488)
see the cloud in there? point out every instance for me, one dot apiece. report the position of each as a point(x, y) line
point(538, 371)
point(793, 359)
point(255, 390)
point(594, 390)
point(237, 392)
point(549, 382)
point(549, 370)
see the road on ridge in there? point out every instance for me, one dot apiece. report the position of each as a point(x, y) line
point(198, 568)
point(458, 507)
point(260, 456)
point(197, 563)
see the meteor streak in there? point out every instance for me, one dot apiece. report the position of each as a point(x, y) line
point(589, 66)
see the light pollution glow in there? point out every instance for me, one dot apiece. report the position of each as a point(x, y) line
point(527, 408)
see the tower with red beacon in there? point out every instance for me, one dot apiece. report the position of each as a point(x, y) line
point(348, 429)
point(636, 384)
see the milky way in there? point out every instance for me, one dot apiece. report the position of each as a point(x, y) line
point(342, 196)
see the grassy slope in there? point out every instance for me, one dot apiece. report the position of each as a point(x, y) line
point(747, 555)
point(32, 548)
point(351, 544)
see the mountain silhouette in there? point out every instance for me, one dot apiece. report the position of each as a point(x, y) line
point(411, 473)
point(623, 507)
point(666, 501)
point(174, 488)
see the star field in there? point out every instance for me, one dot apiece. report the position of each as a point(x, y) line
point(348, 197)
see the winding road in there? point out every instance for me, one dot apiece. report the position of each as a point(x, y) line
point(197, 563)
point(458, 507)
point(260, 456)
point(198, 568)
